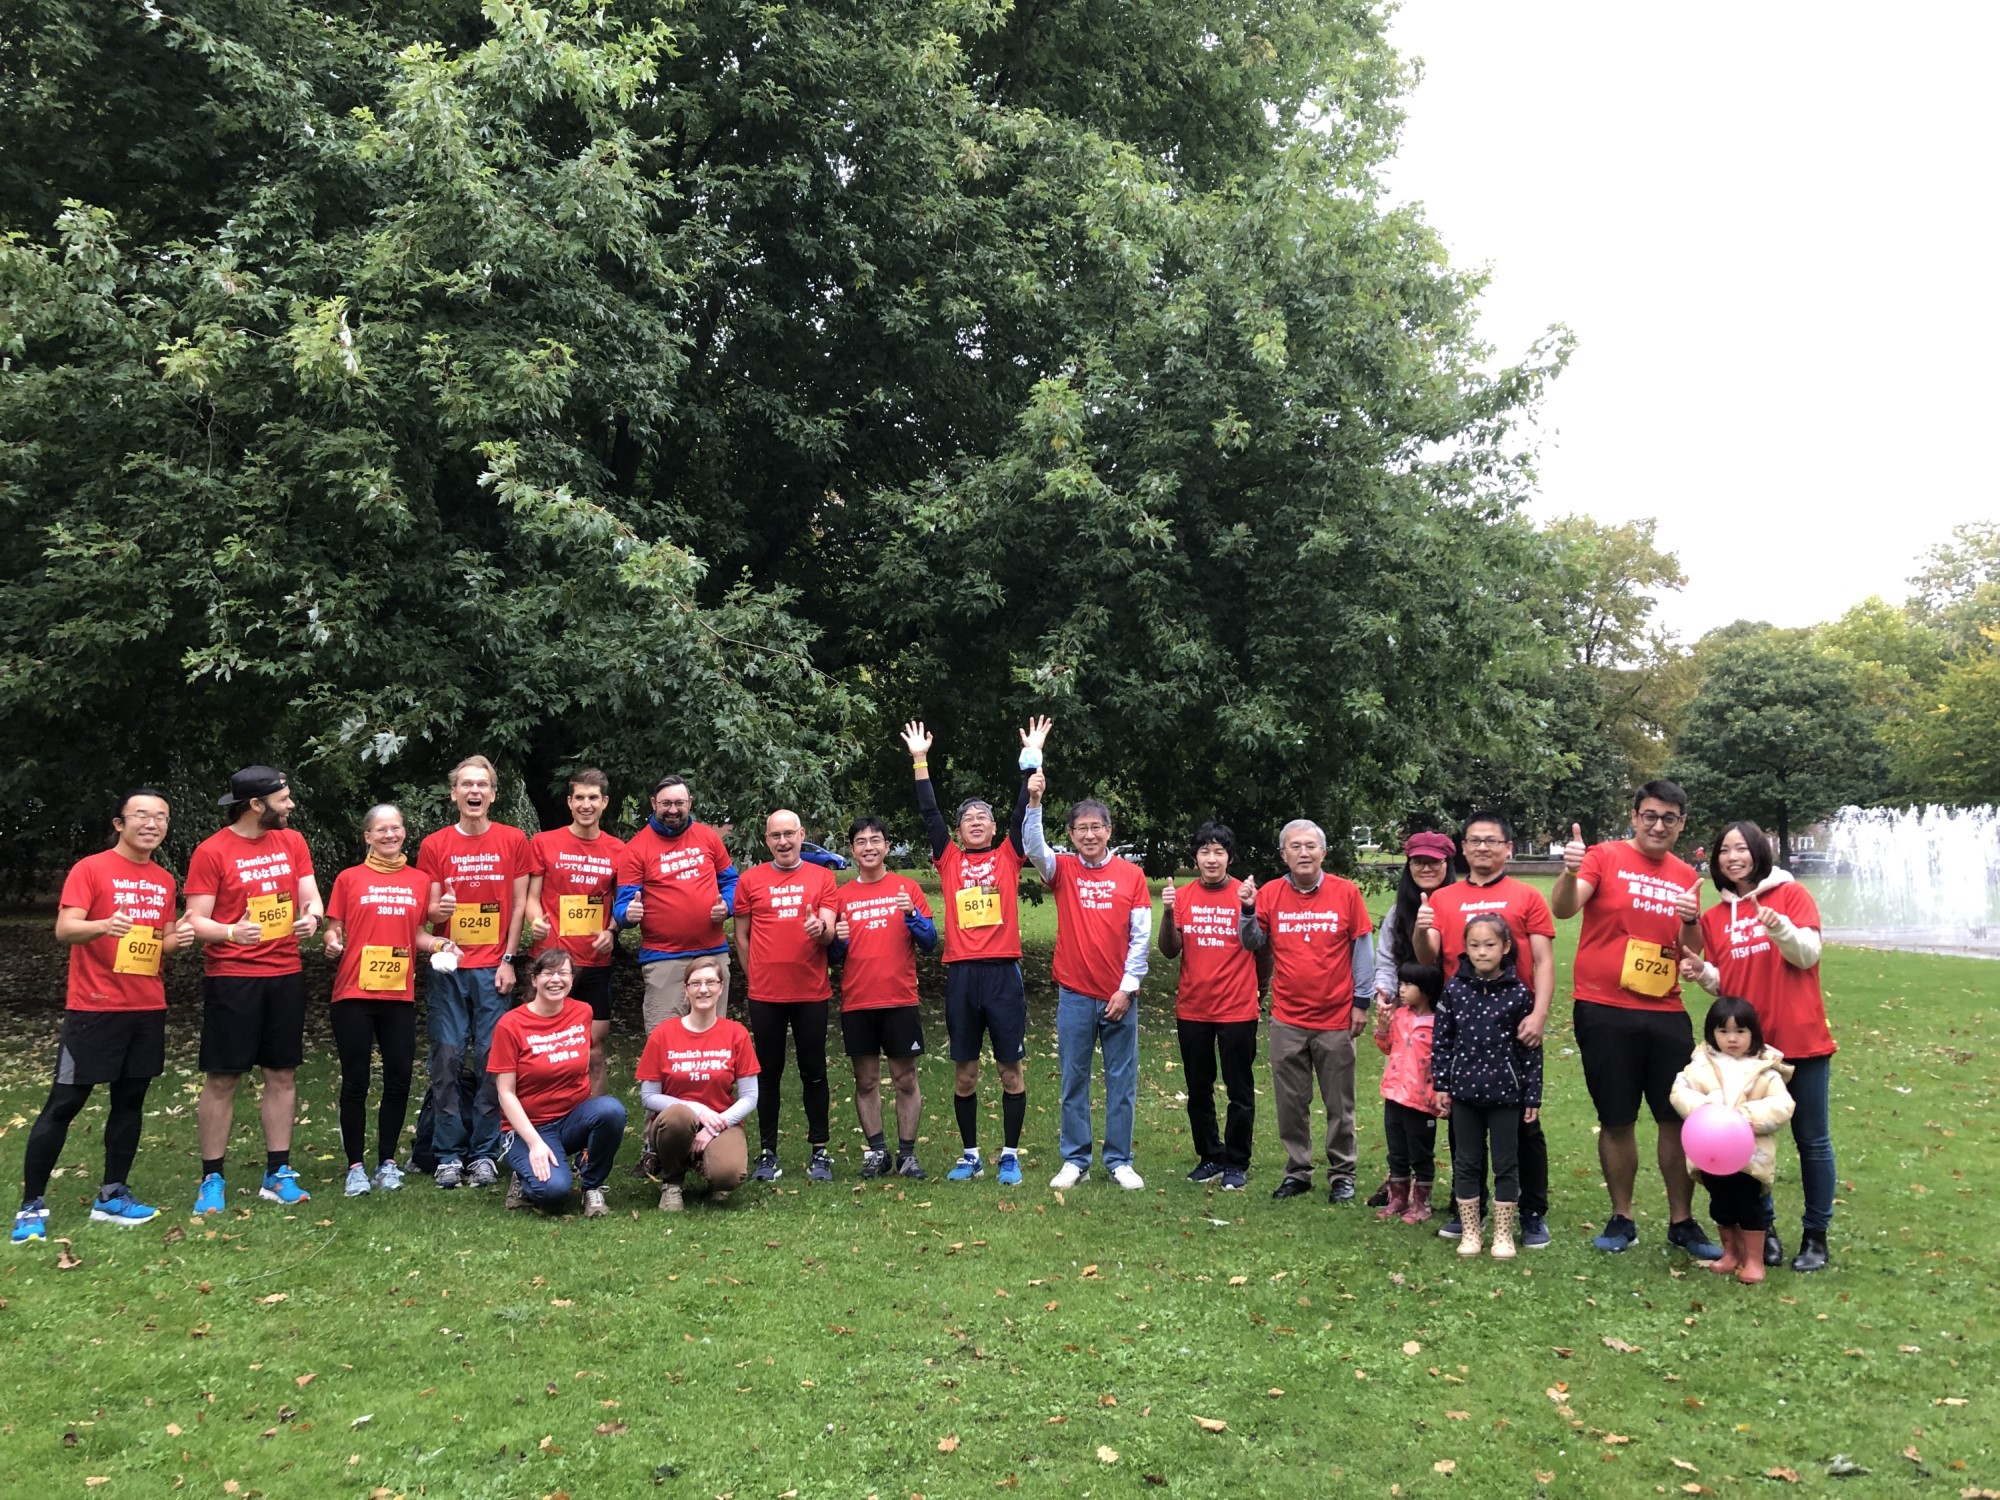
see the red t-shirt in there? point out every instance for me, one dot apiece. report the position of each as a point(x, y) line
point(579, 878)
point(1524, 907)
point(1218, 974)
point(549, 1057)
point(1312, 939)
point(701, 1067)
point(786, 966)
point(481, 869)
point(881, 967)
point(380, 916)
point(255, 877)
point(114, 973)
point(677, 881)
point(1633, 902)
point(1094, 922)
point(982, 896)
point(1788, 1001)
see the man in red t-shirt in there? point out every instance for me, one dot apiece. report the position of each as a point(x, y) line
point(784, 925)
point(1488, 889)
point(251, 896)
point(479, 899)
point(1104, 925)
point(881, 921)
point(677, 885)
point(1641, 911)
point(1322, 980)
point(1215, 1008)
point(116, 916)
point(572, 879)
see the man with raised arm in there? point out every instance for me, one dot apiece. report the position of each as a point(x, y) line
point(1322, 980)
point(1641, 911)
point(1104, 924)
point(982, 948)
point(479, 899)
point(677, 885)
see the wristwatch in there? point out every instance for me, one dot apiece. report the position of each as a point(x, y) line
point(508, 958)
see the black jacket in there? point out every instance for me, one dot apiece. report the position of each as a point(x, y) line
point(1475, 1054)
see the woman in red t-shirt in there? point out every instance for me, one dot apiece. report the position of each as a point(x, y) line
point(374, 933)
point(698, 1077)
point(540, 1066)
point(1762, 940)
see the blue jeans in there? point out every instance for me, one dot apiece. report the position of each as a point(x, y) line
point(596, 1126)
point(1080, 1030)
point(463, 1008)
point(1811, 1087)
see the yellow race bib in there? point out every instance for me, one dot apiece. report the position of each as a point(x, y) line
point(273, 913)
point(138, 953)
point(1649, 969)
point(384, 968)
point(579, 916)
point(978, 907)
point(475, 924)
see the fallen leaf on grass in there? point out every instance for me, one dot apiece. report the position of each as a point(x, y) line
point(1208, 1424)
point(1840, 1466)
point(1681, 1463)
point(1056, 1421)
point(1107, 1400)
point(1276, 1390)
point(1949, 1401)
point(948, 1443)
point(1413, 1347)
point(1458, 1416)
point(305, 1380)
point(562, 1302)
point(1616, 1438)
point(95, 1480)
point(1106, 1455)
point(274, 1299)
point(361, 1421)
point(611, 1429)
point(1545, 1476)
point(66, 1261)
point(1691, 1488)
point(1239, 1280)
point(1562, 1353)
point(1444, 1466)
point(1619, 1346)
point(173, 1429)
point(1087, 1271)
point(1790, 1476)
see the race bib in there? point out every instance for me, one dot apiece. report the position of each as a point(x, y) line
point(273, 913)
point(475, 924)
point(1648, 971)
point(978, 907)
point(138, 953)
point(384, 968)
point(579, 916)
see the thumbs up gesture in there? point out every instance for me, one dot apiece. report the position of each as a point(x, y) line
point(447, 901)
point(1692, 968)
point(1574, 850)
point(1426, 918)
point(1247, 892)
point(118, 923)
point(1688, 904)
point(842, 930)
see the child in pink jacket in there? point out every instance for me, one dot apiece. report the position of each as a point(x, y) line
point(1409, 1117)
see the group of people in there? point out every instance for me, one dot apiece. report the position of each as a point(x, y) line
point(1464, 969)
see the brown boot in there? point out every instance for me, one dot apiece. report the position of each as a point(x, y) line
point(1750, 1255)
point(1419, 1210)
point(1468, 1217)
point(1399, 1199)
point(1730, 1248)
point(1505, 1217)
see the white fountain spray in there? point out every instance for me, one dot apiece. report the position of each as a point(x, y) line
point(1919, 877)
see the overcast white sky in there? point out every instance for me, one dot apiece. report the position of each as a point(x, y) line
point(1771, 226)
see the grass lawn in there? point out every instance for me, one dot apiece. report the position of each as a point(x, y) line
point(943, 1340)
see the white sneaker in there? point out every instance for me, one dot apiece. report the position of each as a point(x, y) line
point(1070, 1175)
point(1127, 1178)
point(357, 1181)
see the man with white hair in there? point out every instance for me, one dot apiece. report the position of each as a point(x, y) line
point(1322, 980)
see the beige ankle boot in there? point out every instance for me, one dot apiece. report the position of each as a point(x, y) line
point(1468, 1217)
point(1505, 1217)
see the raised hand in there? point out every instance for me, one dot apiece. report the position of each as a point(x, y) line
point(1574, 850)
point(1246, 893)
point(916, 739)
point(1037, 784)
point(1036, 735)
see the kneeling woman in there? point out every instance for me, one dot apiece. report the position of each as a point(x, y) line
point(540, 1064)
point(698, 1073)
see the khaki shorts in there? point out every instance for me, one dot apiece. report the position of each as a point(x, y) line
point(665, 995)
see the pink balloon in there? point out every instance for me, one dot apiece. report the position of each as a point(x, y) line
point(1717, 1139)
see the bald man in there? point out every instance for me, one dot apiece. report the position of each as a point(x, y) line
point(784, 925)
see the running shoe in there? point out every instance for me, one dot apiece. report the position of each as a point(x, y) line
point(1340, 1190)
point(909, 1166)
point(517, 1191)
point(1534, 1231)
point(967, 1167)
point(594, 1206)
point(671, 1201)
point(820, 1167)
point(449, 1175)
point(1688, 1235)
point(31, 1223)
point(1207, 1171)
point(767, 1168)
point(1070, 1175)
point(282, 1186)
point(1234, 1179)
point(483, 1174)
point(1127, 1177)
point(874, 1164)
point(357, 1184)
point(388, 1177)
point(1452, 1228)
point(209, 1199)
point(1010, 1169)
point(121, 1208)
point(1620, 1234)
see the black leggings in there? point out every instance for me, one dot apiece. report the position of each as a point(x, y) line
point(1736, 1201)
point(1471, 1126)
point(359, 1027)
point(51, 1132)
point(1411, 1135)
point(769, 1022)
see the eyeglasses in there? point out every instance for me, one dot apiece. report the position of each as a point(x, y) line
point(1090, 828)
point(1664, 820)
point(1485, 843)
point(702, 984)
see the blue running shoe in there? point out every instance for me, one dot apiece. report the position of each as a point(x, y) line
point(210, 1199)
point(1688, 1235)
point(1620, 1234)
point(1010, 1169)
point(31, 1223)
point(1534, 1232)
point(282, 1186)
point(966, 1168)
point(121, 1208)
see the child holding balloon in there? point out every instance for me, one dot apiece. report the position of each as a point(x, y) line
point(1734, 1077)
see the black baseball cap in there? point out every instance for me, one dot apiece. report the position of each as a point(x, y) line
point(253, 781)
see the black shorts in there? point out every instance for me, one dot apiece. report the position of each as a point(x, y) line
point(984, 997)
point(1630, 1055)
point(593, 988)
point(252, 1021)
point(891, 1030)
point(107, 1046)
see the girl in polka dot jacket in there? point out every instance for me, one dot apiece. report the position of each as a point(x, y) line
point(1487, 1080)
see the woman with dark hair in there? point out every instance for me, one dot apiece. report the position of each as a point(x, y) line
point(1427, 869)
point(540, 1065)
point(1763, 943)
